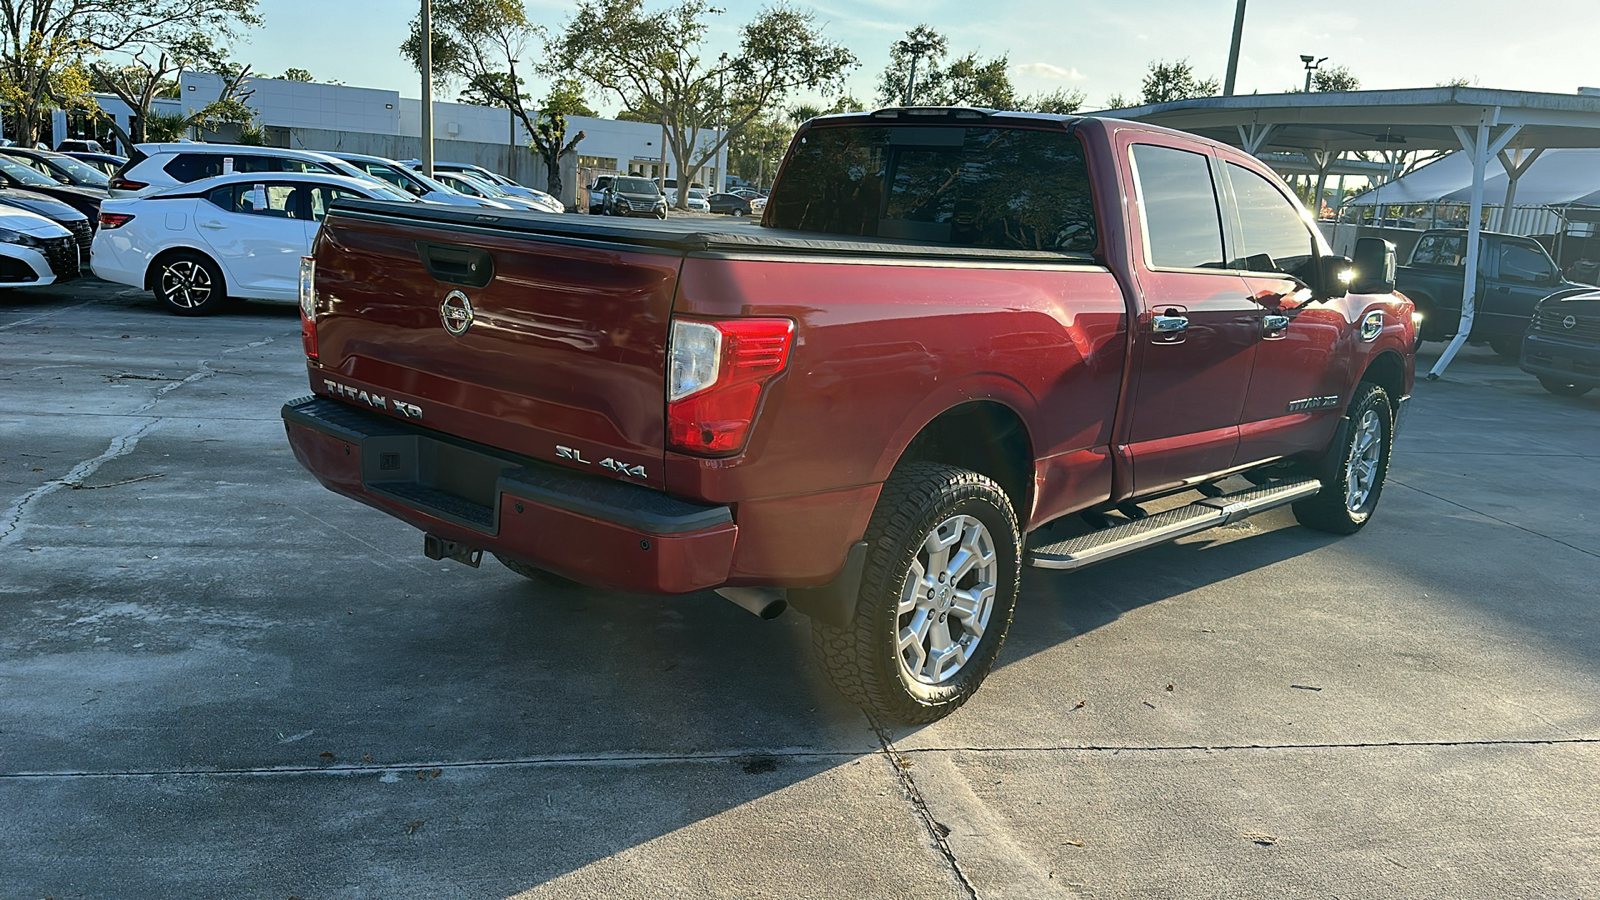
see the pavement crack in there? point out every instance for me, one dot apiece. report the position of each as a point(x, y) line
point(936, 831)
point(121, 445)
point(1495, 518)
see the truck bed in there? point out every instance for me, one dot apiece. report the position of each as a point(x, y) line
point(683, 234)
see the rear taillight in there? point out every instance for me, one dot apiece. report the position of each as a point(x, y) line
point(109, 220)
point(308, 306)
point(717, 370)
point(118, 183)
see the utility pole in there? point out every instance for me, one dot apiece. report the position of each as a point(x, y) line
point(1312, 63)
point(1233, 51)
point(427, 88)
point(916, 49)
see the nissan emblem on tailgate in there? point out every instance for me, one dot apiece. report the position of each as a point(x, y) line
point(456, 313)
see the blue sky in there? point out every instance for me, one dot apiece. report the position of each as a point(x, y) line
point(1102, 48)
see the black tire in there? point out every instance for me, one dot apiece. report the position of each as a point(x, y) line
point(1562, 388)
point(534, 573)
point(1350, 490)
point(865, 662)
point(1506, 347)
point(189, 284)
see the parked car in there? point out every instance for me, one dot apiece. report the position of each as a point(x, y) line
point(597, 193)
point(80, 145)
point(696, 201)
point(867, 410)
point(60, 167)
point(229, 236)
point(729, 204)
point(14, 174)
point(34, 250)
point(542, 201)
point(75, 222)
point(108, 163)
point(415, 183)
point(158, 167)
point(1562, 345)
point(1514, 273)
point(472, 186)
point(629, 196)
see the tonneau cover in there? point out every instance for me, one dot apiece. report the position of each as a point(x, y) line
point(683, 234)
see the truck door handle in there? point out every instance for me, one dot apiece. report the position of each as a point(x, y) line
point(1274, 326)
point(1168, 324)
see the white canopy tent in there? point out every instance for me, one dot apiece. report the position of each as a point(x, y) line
point(1557, 178)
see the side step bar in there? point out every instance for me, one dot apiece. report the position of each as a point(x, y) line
point(1108, 543)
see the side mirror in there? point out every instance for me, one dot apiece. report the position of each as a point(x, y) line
point(1330, 277)
point(1374, 266)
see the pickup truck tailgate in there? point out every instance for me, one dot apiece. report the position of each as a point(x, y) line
point(561, 349)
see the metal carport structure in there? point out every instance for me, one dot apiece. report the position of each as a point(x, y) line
point(1512, 126)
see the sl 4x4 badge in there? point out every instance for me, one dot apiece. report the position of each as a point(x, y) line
point(609, 464)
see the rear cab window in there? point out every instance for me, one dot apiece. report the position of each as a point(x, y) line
point(971, 186)
point(1180, 216)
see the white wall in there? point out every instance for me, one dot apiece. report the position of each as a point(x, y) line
point(303, 104)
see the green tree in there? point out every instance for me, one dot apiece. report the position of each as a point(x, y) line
point(1061, 102)
point(153, 72)
point(294, 74)
point(916, 66)
point(1166, 82)
point(44, 45)
point(655, 60)
point(483, 42)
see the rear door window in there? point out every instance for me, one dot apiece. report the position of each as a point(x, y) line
point(1178, 208)
point(995, 188)
point(278, 201)
point(1275, 235)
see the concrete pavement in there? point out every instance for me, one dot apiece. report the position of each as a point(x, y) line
point(218, 679)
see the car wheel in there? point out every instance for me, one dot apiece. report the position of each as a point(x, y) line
point(1506, 347)
point(1562, 388)
point(534, 573)
point(937, 593)
point(190, 284)
point(1350, 493)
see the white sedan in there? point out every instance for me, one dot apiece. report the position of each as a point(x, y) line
point(34, 250)
point(239, 236)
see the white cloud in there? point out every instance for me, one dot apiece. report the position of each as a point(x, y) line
point(1046, 70)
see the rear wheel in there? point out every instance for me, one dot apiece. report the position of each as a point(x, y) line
point(189, 284)
point(1562, 388)
point(1348, 498)
point(936, 598)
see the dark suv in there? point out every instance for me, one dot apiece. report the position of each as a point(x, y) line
point(1562, 347)
point(634, 197)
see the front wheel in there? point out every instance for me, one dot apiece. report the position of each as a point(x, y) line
point(189, 284)
point(1347, 500)
point(936, 598)
point(1563, 388)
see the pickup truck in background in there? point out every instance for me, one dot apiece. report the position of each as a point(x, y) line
point(1514, 274)
point(959, 343)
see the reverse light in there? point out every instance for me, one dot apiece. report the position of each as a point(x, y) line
point(110, 220)
point(308, 306)
point(716, 373)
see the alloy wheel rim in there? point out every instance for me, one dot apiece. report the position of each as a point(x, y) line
point(946, 600)
point(186, 284)
point(1361, 472)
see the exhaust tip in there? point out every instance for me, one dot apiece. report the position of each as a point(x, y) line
point(764, 603)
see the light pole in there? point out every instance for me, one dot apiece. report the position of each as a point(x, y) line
point(915, 49)
point(1233, 51)
point(427, 88)
point(1311, 66)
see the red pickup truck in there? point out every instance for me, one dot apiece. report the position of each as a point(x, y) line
point(959, 342)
